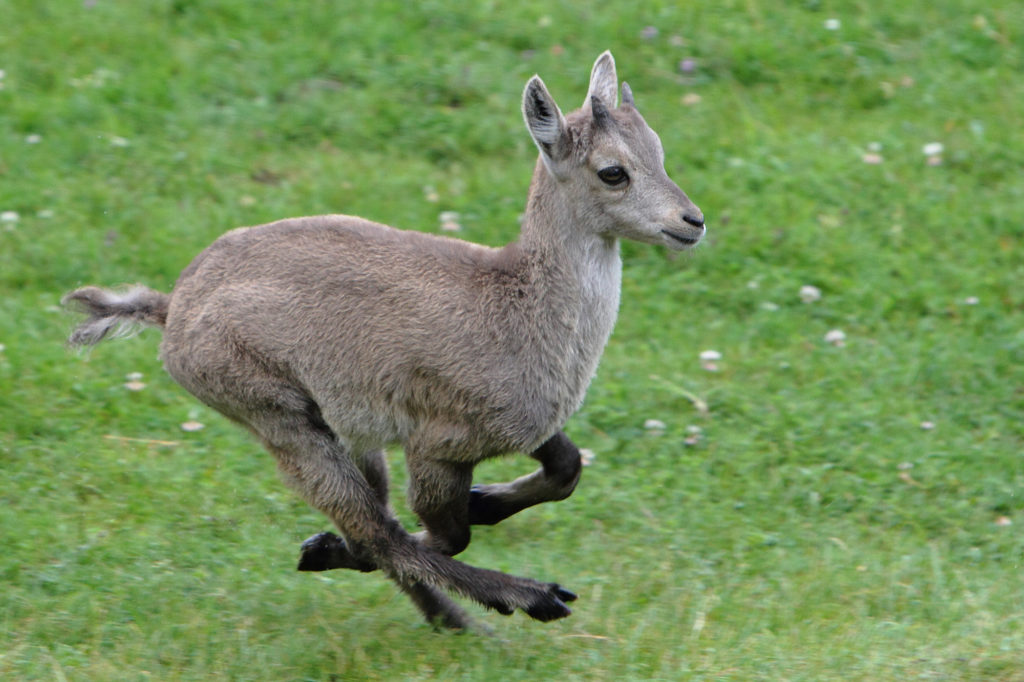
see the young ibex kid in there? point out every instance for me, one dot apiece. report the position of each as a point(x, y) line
point(331, 337)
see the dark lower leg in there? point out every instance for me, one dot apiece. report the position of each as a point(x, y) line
point(326, 551)
point(555, 480)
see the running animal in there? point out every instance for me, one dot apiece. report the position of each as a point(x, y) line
point(331, 337)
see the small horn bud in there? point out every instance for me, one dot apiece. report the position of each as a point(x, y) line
point(627, 94)
point(602, 117)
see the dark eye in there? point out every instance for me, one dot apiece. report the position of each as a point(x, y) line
point(613, 175)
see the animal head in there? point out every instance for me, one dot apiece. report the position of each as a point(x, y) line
point(611, 163)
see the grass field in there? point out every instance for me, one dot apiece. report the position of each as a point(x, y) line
point(808, 511)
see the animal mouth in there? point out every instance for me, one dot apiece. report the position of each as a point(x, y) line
point(689, 241)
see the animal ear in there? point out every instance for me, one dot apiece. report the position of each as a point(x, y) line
point(604, 84)
point(544, 120)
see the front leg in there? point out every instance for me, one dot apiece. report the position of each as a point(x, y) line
point(439, 495)
point(560, 470)
point(488, 504)
point(327, 551)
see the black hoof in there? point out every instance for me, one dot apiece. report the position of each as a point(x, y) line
point(327, 551)
point(552, 605)
point(548, 610)
point(317, 552)
point(564, 594)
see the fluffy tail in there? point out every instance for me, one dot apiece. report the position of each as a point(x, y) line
point(122, 312)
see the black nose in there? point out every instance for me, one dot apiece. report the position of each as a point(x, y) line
point(695, 219)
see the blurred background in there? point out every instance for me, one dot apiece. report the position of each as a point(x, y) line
point(804, 440)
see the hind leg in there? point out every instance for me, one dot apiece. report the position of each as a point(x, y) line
point(317, 464)
point(439, 458)
point(323, 472)
point(309, 454)
point(326, 551)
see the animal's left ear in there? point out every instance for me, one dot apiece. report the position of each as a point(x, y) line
point(545, 122)
point(604, 84)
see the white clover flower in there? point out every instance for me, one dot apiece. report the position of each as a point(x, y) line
point(836, 337)
point(709, 360)
point(832, 24)
point(971, 300)
point(118, 141)
point(9, 217)
point(654, 425)
point(45, 213)
point(927, 425)
point(33, 138)
point(932, 149)
point(809, 293)
point(192, 425)
point(450, 221)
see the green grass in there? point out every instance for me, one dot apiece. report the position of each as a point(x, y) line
point(815, 532)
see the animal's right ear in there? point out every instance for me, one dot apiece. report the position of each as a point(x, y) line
point(545, 122)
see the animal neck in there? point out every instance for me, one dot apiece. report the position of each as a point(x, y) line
point(555, 228)
point(577, 271)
